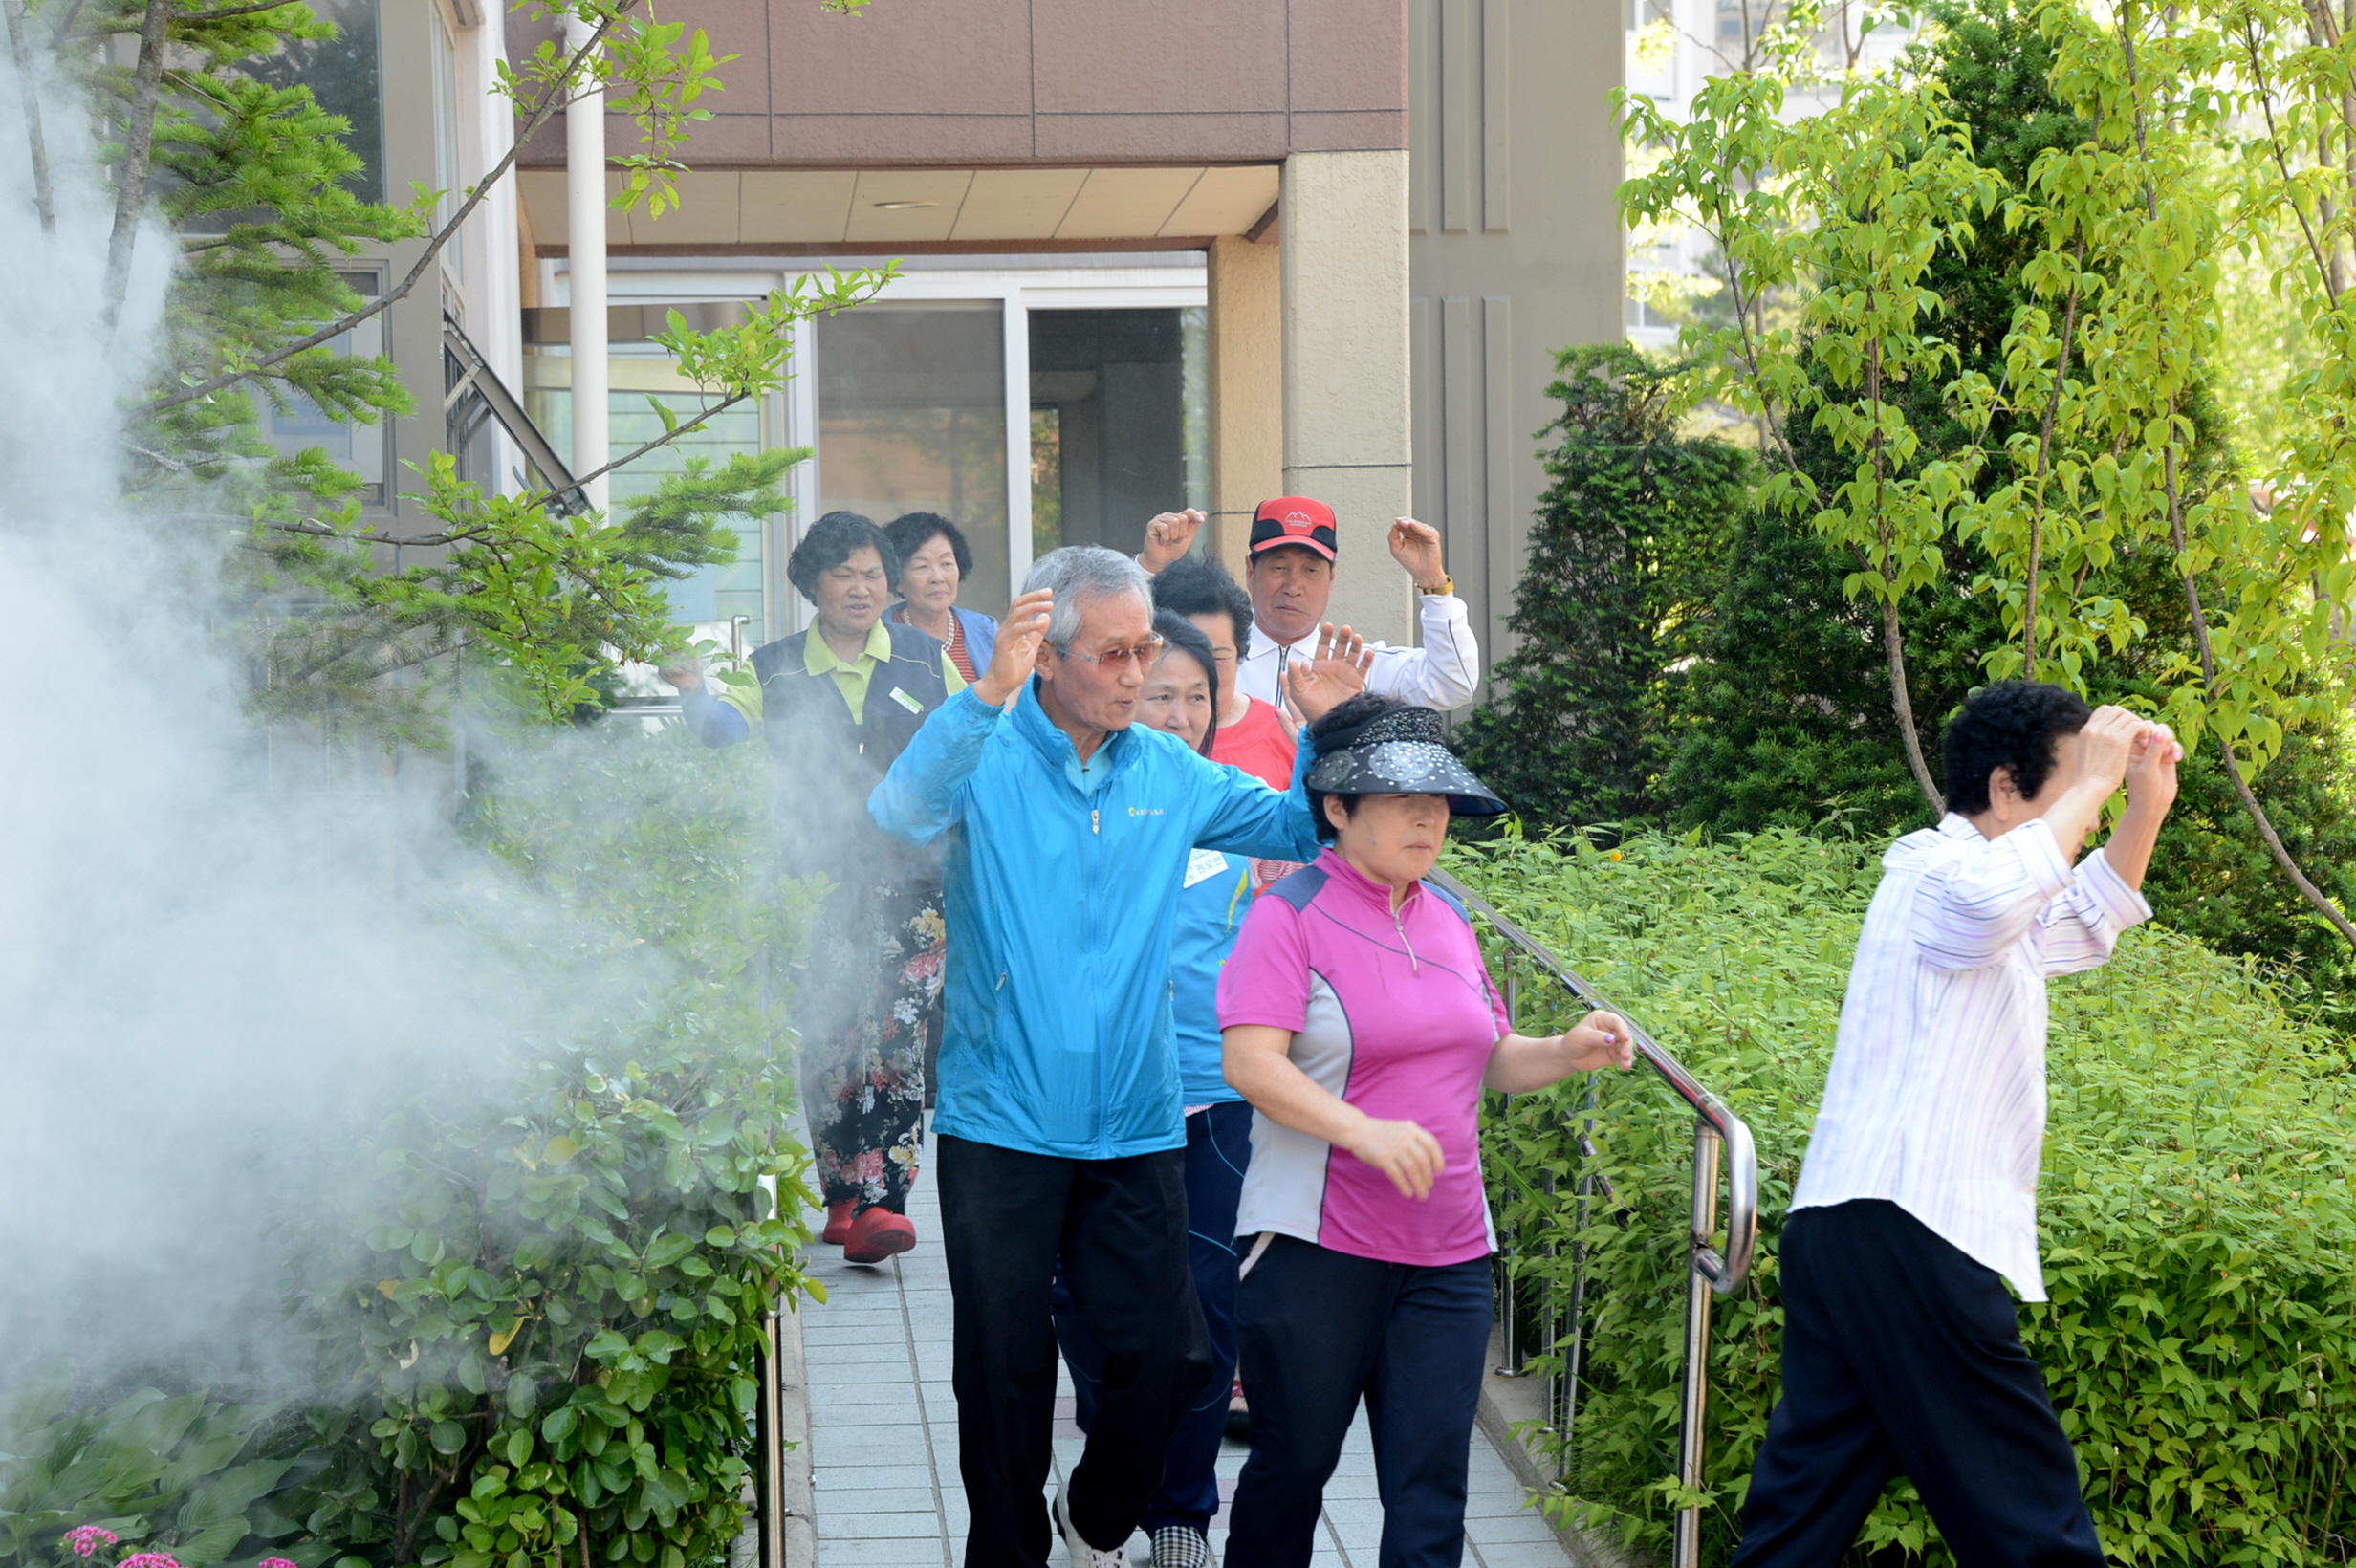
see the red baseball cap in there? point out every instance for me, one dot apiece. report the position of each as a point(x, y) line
point(1293, 520)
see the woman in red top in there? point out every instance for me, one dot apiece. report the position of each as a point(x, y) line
point(1253, 735)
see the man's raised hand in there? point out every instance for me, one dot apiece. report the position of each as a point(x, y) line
point(1168, 536)
point(1416, 546)
point(1017, 651)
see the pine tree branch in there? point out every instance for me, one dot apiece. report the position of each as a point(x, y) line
point(227, 11)
point(138, 150)
point(42, 199)
point(557, 90)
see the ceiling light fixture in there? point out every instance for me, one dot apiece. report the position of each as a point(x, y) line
point(902, 207)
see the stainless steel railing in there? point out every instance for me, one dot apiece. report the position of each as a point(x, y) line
point(1716, 1131)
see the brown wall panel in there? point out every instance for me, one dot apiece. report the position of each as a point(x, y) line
point(897, 56)
point(1350, 55)
point(961, 83)
point(1127, 56)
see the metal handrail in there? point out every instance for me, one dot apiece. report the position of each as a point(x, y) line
point(1717, 1130)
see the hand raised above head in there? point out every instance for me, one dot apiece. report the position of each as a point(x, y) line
point(1168, 536)
point(2152, 766)
point(1416, 546)
point(2107, 740)
point(1017, 651)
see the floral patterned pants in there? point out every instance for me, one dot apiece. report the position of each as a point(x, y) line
point(873, 1001)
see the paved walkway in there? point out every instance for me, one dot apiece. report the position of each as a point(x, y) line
point(884, 1434)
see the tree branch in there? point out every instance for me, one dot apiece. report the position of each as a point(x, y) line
point(2044, 452)
point(2275, 846)
point(227, 11)
point(2325, 269)
point(139, 148)
point(540, 114)
point(631, 457)
point(22, 49)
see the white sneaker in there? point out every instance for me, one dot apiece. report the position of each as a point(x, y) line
point(1175, 1546)
point(1082, 1555)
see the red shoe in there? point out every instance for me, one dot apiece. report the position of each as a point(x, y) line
point(877, 1235)
point(839, 1222)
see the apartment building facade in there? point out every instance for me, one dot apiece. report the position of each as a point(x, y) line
point(1151, 256)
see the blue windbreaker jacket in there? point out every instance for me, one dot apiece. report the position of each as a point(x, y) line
point(1061, 906)
point(1210, 911)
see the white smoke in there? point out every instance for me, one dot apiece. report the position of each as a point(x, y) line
point(207, 992)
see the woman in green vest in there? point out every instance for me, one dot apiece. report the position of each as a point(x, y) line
point(838, 703)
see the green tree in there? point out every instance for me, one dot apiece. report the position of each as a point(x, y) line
point(1634, 510)
point(2016, 412)
point(253, 180)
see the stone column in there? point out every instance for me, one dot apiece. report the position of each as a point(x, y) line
point(1346, 399)
point(1247, 389)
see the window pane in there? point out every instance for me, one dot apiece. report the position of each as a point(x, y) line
point(342, 75)
point(637, 372)
point(1116, 381)
point(913, 418)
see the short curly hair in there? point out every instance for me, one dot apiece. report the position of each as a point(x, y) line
point(911, 531)
point(832, 540)
point(1202, 586)
point(2011, 723)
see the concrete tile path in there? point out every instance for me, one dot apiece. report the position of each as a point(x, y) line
point(884, 1434)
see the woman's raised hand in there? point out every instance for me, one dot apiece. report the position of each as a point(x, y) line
point(1017, 651)
point(1402, 1151)
point(1337, 671)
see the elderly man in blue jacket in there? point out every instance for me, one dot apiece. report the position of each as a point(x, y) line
point(1065, 835)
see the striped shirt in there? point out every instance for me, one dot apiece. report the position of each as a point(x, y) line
point(1936, 1098)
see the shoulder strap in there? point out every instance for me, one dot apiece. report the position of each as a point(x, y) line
point(1298, 887)
point(1449, 898)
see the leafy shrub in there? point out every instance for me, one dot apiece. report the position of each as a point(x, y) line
point(185, 1474)
point(538, 1325)
point(2195, 1208)
point(559, 1315)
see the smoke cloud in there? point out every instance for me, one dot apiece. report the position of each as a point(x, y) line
point(210, 992)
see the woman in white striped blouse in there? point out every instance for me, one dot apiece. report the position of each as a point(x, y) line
point(1901, 1349)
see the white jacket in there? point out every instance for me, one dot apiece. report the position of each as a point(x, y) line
point(1442, 674)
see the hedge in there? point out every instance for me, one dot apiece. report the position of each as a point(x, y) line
point(534, 1328)
point(2195, 1211)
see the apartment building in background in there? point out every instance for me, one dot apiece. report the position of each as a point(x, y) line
point(1152, 256)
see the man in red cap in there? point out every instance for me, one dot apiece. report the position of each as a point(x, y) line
point(1291, 576)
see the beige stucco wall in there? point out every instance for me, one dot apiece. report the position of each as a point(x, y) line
point(1247, 388)
point(1345, 367)
point(1516, 253)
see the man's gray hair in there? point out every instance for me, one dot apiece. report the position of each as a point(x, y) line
point(1080, 575)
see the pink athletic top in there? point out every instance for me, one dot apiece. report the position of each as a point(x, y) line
point(1396, 1015)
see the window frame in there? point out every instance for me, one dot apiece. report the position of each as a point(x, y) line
point(791, 419)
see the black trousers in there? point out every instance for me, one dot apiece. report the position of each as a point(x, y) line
point(1320, 1329)
point(1119, 1229)
point(1218, 1149)
point(1903, 1355)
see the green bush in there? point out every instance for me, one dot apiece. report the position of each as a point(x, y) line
point(2195, 1208)
point(537, 1317)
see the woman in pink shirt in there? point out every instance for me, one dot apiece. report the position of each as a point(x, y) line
point(1358, 1019)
